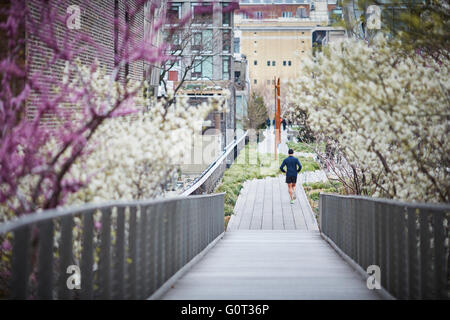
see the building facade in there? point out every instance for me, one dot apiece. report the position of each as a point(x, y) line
point(105, 40)
point(276, 36)
point(204, 67)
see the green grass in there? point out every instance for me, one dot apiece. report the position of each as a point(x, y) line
point(308, 164)
point(305, 147)
point(264, 165)
point(313, 190)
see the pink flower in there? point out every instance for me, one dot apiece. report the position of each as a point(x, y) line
point(6, 245)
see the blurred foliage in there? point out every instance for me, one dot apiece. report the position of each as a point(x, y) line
point(256, 112)
point(421, 25)
point(306, 147)
point(313, 190)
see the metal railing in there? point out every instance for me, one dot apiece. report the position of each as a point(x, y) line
point(408, 241)
point(124, 250)
point(215, 165)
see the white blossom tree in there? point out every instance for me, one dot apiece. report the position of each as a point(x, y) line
point(385, 114)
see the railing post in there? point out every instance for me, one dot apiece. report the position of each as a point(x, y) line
point(425, 265)
point(321, 212)
point(152, 250)
point(21, 263)
point(66, 259)
point(133, 253)
point(105, 255)
point(391, 245)
point(119, 255)
point(440, 265)
point(87, 256)
point(413, 258)
point(401, 254)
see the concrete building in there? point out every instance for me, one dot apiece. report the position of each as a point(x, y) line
point(242, 86)
point(206, 58)
point(276, 36)
point(205, 68)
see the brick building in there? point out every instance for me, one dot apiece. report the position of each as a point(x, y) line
point(97, 23)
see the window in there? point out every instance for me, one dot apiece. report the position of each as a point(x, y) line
point(226, 41)
point(268, 63)
point(237, 76)
point(226, 68)
point(287, 14)
point(284, 63)
point(173, 39)
point(197, 71)
point(226, 14)
point(202, 68)
point(301, 13)
point(255, 81)
point(174, 13)
point(207, 68)
point(202, 40)
point(202, 12)
point(255, 62)
point(289, 63)
point(273, 63)
point(237, 45)
point(198, 39)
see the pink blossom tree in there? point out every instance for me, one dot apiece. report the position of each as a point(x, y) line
point(37, 105)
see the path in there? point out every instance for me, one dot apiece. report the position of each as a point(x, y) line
point(271, 250)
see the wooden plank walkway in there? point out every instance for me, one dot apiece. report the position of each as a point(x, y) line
point(271, 264)
point(271, 250)
point(264, 204)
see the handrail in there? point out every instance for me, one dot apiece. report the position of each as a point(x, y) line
point(212, 167)
point(122, 249)
point(408, 242)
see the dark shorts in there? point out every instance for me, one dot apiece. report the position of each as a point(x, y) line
point(292, 179)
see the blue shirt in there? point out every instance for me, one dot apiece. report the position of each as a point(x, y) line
point(291, 163)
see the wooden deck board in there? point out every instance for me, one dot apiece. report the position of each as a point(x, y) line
point(272, 250)
point(267, 215)
point(271, 265)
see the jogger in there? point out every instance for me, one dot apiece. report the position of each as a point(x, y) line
point(293, 167)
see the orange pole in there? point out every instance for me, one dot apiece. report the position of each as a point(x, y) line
point(278, 113)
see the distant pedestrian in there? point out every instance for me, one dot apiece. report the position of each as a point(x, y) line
point(284, 124)
point(293, 167)
point(268, 123)
point(273, 123)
